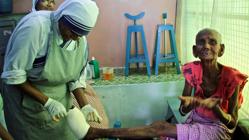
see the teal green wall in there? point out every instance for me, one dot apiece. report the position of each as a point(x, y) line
point(138, 104)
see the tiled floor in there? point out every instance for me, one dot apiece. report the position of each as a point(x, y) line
point(166, 73)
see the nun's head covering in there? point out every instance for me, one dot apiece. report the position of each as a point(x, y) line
point(34, 2)
point(79, 15)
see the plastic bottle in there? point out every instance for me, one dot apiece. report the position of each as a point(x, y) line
point(164, 15)
point(94, 64)
point(117, 124)
point(89, 70)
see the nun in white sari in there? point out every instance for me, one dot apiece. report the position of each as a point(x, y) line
point(34, 2)
point(41, 69)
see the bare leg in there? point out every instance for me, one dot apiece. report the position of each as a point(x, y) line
point(4, 134)
point(157, 129)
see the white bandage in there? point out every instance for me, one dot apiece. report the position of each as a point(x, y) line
point(77, 123)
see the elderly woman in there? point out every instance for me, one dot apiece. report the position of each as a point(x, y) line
point(43, 5)
point(41, 69)
point(213, 108)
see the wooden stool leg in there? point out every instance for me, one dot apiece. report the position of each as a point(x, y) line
point(128, 50)
point(147, 61)
point(174, 49)
point(157, 60)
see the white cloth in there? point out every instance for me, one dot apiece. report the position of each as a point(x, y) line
point(77, 123)
point(84, 11)
point(33, 5)
point(30, 41)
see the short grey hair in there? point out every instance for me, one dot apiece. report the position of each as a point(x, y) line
point(209, 31)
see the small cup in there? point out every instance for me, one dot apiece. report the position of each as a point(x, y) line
point(107, 73)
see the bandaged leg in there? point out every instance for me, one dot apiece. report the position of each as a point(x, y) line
point(77, 123)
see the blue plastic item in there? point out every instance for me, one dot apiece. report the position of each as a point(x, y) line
point(5, 6)
point(117, 124)
point(164, 15)
point(166, 58)
point(134, 18)
point(136, 58)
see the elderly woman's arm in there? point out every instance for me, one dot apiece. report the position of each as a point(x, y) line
point(4, 134)
point(186, 92)
point(230, 118)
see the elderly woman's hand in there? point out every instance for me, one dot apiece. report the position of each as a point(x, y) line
point(210, 102)
point(193, 102)
point(189, 102)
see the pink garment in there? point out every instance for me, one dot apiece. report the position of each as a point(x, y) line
point(225, 89)
point(200, 128)
point(202, 123)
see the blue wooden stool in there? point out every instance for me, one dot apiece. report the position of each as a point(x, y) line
point(136, 58)
point(166, 58)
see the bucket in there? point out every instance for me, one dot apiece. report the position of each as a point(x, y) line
point(5, 6)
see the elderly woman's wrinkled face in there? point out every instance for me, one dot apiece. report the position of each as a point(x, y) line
point(45, 5)
point(208, 45)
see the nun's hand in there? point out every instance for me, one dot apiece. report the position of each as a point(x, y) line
point(91, 114)
point(56, 109)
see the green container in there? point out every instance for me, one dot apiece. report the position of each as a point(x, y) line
point(94, 65)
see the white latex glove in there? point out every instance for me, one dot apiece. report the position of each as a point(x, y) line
point(77, 123)
point(56, 109)
point(91, 114)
